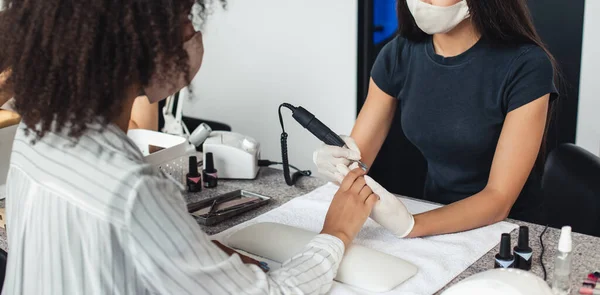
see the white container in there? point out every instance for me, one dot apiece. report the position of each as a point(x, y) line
point(173, 158)
point(235, 155)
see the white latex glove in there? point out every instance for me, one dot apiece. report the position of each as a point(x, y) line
point(389, 211)
point(328, 157)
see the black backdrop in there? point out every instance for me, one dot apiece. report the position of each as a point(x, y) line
point(400, 167)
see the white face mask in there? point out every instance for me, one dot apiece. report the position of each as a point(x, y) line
point(437, 19)
point(159, 89)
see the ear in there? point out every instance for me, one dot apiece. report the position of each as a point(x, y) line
point(188, 30)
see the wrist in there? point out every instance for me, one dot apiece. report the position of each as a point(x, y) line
point(416, 230)
point(340, 235)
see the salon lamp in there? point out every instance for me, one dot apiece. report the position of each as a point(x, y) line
point(173, 120)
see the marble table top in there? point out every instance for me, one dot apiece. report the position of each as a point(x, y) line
point(270, 182)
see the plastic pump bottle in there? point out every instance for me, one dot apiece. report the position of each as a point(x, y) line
point(562, 264)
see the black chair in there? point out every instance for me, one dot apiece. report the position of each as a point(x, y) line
point(571, 186)
point(3, 259)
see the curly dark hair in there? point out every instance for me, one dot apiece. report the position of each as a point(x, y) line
point(71, 62)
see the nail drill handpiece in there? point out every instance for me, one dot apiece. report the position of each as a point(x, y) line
point(320, 130)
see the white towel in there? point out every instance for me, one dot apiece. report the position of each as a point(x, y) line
point(439, 259)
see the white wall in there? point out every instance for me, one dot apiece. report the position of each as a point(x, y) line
point(588, 121)
point(262, 53)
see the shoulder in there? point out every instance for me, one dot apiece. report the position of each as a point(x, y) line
point(398, 48)
point(388, 68)
point(530, 76)
point(529, 57)
point(96, 177)
point(521, 63)
point(394, 44)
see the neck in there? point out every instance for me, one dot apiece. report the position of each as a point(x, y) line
point(123, 120)
point(457, 41)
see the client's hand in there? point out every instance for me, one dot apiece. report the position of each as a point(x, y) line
point(245, 259)
point(349, 208)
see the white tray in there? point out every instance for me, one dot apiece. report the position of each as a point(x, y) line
point(173, 159)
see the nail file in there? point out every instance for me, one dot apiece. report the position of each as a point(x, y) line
point(225, 205)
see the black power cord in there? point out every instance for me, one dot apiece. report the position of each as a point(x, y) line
point(542, 252)
point(312, 124)
point(267, 163)
point(290, 180)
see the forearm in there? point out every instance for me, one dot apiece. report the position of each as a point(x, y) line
point(311, 271)
point(5, 92)
point(4, 98)
point(373, 123)
point(195, 264)
point(369, 139)
point(482, 209)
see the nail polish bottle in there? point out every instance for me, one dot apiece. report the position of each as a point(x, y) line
point(504, 259)
point(209, 174)
point(590, 291)
point(522, 251)
point(193, 178)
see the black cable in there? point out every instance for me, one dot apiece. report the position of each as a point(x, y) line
point(290, 180)
point(267, 163)
point(542, 253)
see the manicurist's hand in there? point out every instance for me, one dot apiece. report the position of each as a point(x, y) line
point(388, 211)
point(327, 158)
point(350, 207)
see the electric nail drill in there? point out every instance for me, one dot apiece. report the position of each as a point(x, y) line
point(318, 129)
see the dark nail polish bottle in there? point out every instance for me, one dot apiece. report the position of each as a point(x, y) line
point(193, 178)
point(209, 174)
point(504, 259)
point(522, 251)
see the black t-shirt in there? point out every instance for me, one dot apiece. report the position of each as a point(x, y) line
point(453, 108)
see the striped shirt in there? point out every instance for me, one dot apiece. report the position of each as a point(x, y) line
point(91, 217)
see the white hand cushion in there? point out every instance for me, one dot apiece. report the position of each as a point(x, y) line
point(361, 267)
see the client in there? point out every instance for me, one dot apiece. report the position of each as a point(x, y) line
point(86, 214)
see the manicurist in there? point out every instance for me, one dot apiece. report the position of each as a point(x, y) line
point(474, 85)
